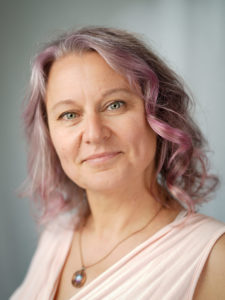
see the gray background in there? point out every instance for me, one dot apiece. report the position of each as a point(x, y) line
point(188, 34)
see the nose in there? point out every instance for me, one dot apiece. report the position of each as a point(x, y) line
point(95, 131)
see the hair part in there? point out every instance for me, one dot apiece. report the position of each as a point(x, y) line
point(181, 161)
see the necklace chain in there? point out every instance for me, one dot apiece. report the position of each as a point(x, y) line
point(120, 242)
point(79, 277)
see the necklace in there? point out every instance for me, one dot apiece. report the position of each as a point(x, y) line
point(80, 276)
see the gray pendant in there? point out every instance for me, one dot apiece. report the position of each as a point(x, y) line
point(79, 278)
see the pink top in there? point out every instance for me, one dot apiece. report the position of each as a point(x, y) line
point(166, 266)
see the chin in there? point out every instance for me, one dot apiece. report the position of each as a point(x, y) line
point(102, 182)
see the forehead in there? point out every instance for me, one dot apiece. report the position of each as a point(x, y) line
point(82, 77)
point(88, 67)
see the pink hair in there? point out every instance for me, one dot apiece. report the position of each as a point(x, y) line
point(180, 160)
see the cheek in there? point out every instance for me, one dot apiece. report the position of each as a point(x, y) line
point(143, 139)
point(139, 135)
point(63, 144)
point(66, 153)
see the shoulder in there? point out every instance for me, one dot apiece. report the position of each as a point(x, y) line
point(211, 282)
point(53, 246)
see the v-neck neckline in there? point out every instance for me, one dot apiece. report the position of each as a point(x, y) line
point(123, 260)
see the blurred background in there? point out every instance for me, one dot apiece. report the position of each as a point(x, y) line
point(188, 34)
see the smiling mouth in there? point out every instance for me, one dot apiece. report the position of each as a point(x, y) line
point(101, 157)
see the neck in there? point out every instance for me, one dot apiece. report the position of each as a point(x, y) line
point(120, 212)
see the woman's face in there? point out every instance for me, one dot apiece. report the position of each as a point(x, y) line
point(97, 124)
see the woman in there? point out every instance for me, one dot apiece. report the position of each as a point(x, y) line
point(117, 166)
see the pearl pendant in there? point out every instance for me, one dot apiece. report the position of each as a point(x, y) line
point(79, 278)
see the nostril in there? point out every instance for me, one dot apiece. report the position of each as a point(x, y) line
point(95, 131)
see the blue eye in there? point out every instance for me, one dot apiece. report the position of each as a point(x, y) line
point(115, 105)
point(68, 115)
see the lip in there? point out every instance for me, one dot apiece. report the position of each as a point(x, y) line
point(100, 157)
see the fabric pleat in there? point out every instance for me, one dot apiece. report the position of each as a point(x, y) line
point(166, 266)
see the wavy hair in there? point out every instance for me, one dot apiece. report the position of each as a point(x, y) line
point(181, 161)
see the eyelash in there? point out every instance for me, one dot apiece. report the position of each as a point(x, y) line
point(122, 103)
point(67, 113)
point(117, 101)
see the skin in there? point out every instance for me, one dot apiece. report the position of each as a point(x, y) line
point(103, 115)
point(211, 284)
point(92, 109)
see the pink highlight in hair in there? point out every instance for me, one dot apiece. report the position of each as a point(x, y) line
point(180, 161)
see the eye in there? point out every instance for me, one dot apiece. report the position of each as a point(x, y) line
point(116, 105)
point(68, 116)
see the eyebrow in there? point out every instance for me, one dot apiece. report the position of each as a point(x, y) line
point(116, 90)
point(105, 94)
